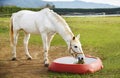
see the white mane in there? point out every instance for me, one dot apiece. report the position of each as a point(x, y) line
point(60, 20)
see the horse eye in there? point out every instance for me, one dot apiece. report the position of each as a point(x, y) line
point(75, 46)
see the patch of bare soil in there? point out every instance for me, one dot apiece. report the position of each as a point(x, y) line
point(23, 68)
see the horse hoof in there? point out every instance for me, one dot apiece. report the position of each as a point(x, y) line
point(14, 59)
point(46, 65)
point(29, 58)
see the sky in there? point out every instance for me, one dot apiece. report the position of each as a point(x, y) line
point(111, 2)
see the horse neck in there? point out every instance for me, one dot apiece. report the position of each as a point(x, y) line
point(66, 34)
point(62, 27)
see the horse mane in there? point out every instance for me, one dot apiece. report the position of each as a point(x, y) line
point(58, 18)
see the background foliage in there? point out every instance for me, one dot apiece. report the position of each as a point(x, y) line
point(11, 9)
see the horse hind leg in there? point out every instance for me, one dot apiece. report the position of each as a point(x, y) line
point(26, 39)
point(15, 38)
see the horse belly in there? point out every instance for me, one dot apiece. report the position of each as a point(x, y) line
point(28, 25)
point(31, 29)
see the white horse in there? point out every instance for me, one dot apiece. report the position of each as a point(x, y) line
point(45, 23)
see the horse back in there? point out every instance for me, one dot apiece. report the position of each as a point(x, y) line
point(25, 20)
point(33, 22)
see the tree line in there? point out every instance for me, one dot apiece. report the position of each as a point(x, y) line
point(88, 11)
point(62, 11)
point(8, 10)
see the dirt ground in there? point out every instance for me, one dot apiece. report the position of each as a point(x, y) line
point(23, 68)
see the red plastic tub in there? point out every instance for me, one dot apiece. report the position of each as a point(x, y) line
point(67, 64)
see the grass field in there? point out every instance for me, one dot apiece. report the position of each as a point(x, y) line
point(100, 36)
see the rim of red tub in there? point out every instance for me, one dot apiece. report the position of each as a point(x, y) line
point(77, 68)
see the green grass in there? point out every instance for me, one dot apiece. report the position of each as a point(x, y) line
point(100, 36)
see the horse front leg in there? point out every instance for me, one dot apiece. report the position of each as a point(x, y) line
point(46, 47)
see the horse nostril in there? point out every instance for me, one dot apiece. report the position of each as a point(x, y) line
point(82, 58)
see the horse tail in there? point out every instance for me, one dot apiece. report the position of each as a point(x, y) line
point(11, 31)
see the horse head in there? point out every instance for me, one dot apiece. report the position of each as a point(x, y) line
point(76, 49)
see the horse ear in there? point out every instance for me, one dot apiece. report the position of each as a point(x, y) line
point(78, 36)
point(74, 38)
